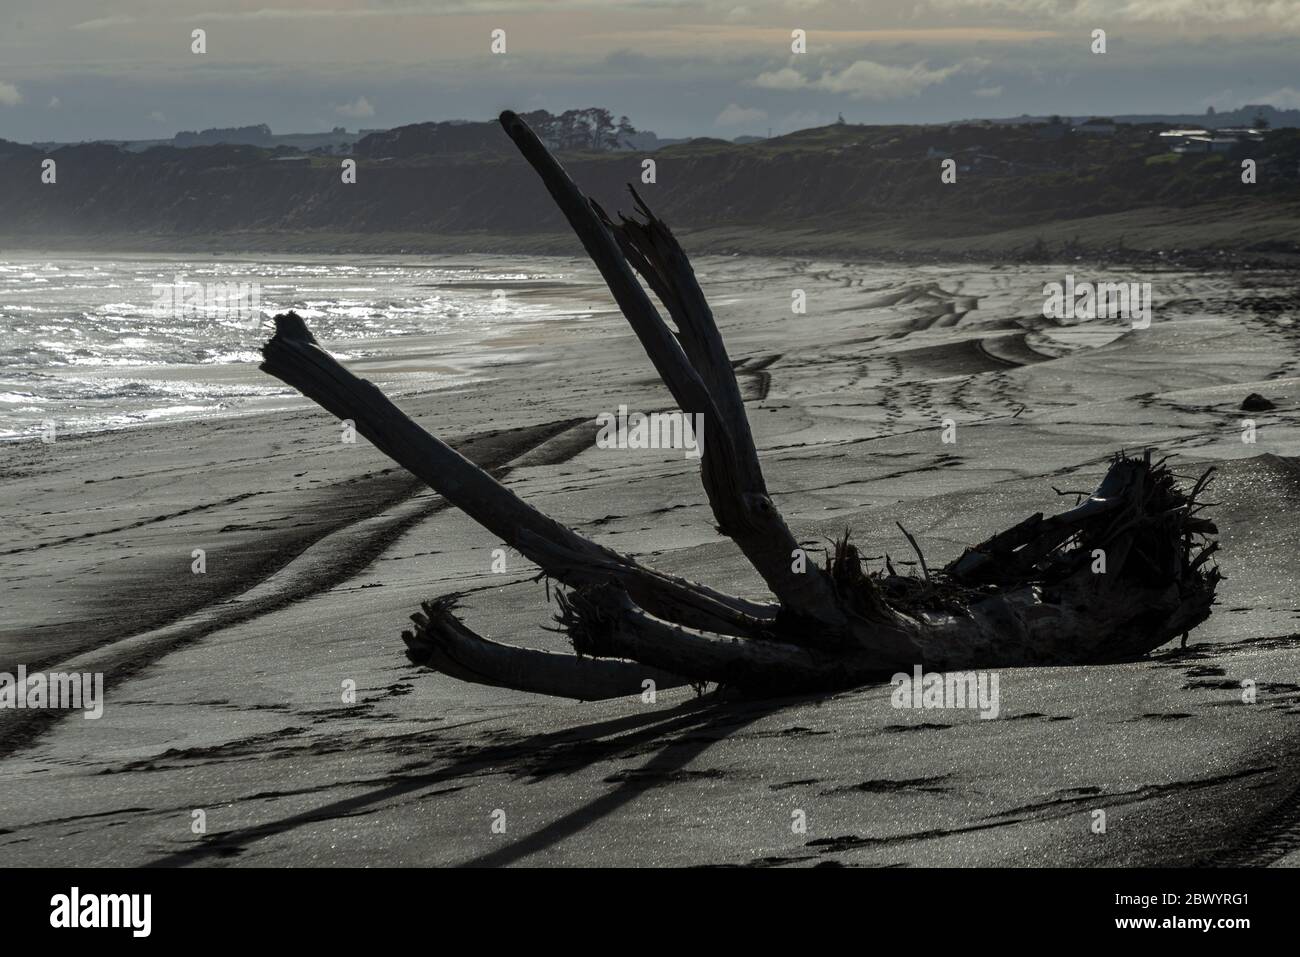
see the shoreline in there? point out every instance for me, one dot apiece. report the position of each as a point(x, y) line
point(1142, 239)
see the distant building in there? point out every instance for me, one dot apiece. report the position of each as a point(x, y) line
point(1241, 133)
point(1207, 144)
point(1177, 140)
point(1222, 140)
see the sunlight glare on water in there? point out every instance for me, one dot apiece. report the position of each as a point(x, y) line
point(89, 343)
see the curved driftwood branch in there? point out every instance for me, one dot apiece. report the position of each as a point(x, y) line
point(442, 642)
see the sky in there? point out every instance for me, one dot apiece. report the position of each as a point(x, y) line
point(125, 69)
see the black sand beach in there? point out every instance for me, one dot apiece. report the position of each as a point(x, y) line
point(225, 691)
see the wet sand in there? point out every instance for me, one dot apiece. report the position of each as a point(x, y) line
point(224, 690)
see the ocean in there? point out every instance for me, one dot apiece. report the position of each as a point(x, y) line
point(91, 342)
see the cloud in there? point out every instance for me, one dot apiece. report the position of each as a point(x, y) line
point(786, 78)
point(989, 91)
point(105, 23)
point(1287, 98)
point(360, 107)
point(734, 115)
point(9, 95)
point(157, 116)
point(1261, 14)
point(54, 103)
point(863, 79)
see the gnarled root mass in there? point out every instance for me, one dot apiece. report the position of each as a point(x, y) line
point(1119, 574)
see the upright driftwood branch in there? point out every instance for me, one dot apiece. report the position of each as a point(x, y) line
point(748, 515)
point(698, 373)
point(665, 352)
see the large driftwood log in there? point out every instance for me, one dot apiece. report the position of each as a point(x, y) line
point(1109, 580)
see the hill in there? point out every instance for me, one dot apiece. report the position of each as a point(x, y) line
point(864, 189)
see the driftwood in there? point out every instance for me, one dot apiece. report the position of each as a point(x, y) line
point(1118, 575)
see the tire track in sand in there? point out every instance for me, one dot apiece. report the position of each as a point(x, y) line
point(325, 562)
